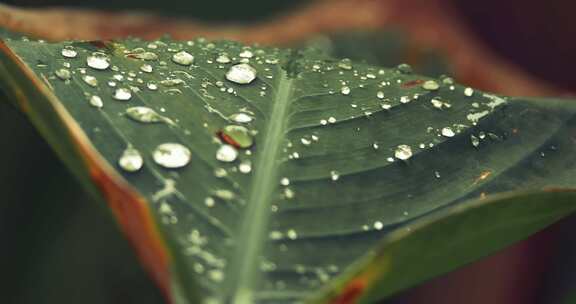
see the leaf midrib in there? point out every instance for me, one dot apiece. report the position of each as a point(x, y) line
point(251, 238)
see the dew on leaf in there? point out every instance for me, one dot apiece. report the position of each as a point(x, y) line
point(334, 175)
point(131, 160)
point(246, 54)
point(241, 73)
point(284, 181)
point(96, 101)
point(145, 115)
point(69, 52)
point(403, 152)
point(430, 85)
point(209, 202)
point(378, 225)
point(237, 136)
point(245, 166)
point(292, 234)
point(152, 86)
point(143, 55)
point(146, 68)
point(468, 92)
point(345, 90)
point(171, 155)
point(172, 82)
point(475, 140)
point(447, 132)
point(183, 58)
point(223, 58)
point(241, 118)
point(90, 80)
point(122, 94)
point(63, 74)
point(226, 153)
point(98, 61)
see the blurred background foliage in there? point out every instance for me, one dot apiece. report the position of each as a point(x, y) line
point(61, 246)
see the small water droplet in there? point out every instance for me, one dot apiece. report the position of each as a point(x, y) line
point(183, 58)
point(69, 52)
point(404, 68)
point(96, 101)
point(345, 90)
point(122, 94)
point(146, 68)
point(475, 140)
point(430, 85)
point(241, 118)
point(292, 234)
point(209, 202)
point(90, 80)
point(334, 175)
point(448, 132)
point(378, 225)
point(403, 152)
point(345, 64)
point(237, 136)
point(223, 58)
point(171, 155)
point(468, 92)
point(131, 160)
point(226, 153)
point(246, 54)
point(284, 181)
point(245, 166)
point(241, 73)
point(63, 74)
point(98, 61)
point(145, 115)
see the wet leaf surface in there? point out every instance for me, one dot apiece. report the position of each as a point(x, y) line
point(254, 174)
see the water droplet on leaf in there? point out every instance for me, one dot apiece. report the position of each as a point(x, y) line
point(226, 153)
point(171, 155)
point(403, 152)
point(122, 94)
point(241, 73)
point(183, 58)
point(236, 136)
point(98, 61)
point(131, 160)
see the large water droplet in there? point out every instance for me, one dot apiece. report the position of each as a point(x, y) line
point(171, 155)
point(236, 136)
point(403, 152)
point(241, 73)
point(122, 94)
point(183, 58)
point(131, 160)
point(226, 153)
point(98, 61)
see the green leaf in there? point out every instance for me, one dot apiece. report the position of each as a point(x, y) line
point(352, 180)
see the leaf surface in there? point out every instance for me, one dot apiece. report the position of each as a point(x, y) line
point(354, 170)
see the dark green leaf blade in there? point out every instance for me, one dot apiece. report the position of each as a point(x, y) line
point(344, 155)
